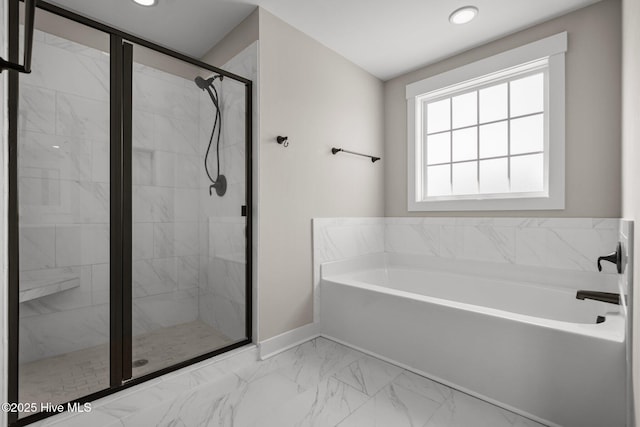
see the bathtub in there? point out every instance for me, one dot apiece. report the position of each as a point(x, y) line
point(513, 336)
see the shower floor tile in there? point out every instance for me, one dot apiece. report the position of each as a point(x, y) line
point(175, 344)
point(66, 377)
point(319, 383)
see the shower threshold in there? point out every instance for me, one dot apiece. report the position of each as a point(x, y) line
point(69, 376)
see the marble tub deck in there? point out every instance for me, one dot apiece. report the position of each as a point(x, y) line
point(318, 383)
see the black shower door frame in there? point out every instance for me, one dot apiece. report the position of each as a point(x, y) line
point(120, 335)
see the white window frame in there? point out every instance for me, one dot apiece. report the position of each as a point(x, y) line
point(552, 49)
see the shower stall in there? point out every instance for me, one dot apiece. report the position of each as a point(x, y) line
point(130, 219)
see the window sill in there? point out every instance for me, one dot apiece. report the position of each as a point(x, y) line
point(506, 204)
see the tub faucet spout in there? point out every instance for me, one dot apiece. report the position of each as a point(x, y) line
point(609, 297)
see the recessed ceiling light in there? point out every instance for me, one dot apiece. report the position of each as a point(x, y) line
point(145, 2)
point(462, 15)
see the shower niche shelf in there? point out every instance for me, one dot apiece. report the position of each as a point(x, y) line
point(34, 289)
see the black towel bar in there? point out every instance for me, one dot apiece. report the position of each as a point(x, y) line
point(337, 150)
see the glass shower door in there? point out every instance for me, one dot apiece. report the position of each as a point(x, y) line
point(64, 215)
point(188, 189)
point(127, 231)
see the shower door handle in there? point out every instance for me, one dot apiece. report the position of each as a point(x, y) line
point(243, 210)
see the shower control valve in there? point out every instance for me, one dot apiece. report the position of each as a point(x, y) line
point(614, 257)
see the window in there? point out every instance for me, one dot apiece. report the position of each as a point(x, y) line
point(490, 135)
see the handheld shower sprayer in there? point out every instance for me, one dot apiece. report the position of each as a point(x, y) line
point(220, 183)
point(205, 83)
point(202, 83)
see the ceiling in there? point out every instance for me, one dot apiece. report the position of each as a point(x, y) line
point(386, 38)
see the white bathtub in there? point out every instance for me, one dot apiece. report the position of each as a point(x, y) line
point(526, 345)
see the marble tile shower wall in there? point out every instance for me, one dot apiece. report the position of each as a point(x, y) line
point(166, 198)
point(64, 196)
point(222, 229)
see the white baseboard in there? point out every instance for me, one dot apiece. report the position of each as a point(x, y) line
point(279, 343)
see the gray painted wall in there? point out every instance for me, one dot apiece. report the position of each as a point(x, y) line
point(234, 42)
point(319, 100)
point(631, 152)
point(592, 114)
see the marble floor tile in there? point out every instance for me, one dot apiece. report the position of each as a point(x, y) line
point(161, 392)
point(256, 369)
point(190, 410)
point(316, 360)
point(326, 404)
point(93, 418)
point(254, 401)
point(320, 354)
point(462, 410)
point(525, 422)
point(205, 405)
point(317, 384)
point(393, 406)
point(423, 386)
point(241, 404)
point(368, 374)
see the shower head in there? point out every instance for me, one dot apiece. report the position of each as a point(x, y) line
point(204, 84)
